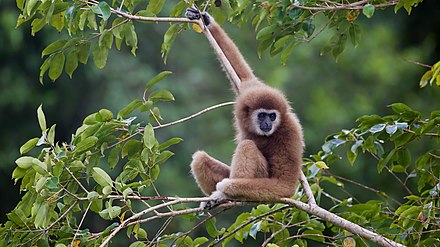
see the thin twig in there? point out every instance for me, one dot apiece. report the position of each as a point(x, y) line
point(80, 223)
point(135, 217)
point(194, 115)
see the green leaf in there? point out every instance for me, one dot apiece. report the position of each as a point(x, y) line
point(106, 39)
point(162, 157)
point(161, 95)
point(154, 6)
point(199, 241)
point(211, 228)
point(169, 143)
point(91, 20)
point(101, 177)
point(41, 118)
point(132, 148)
point(286, 52)
point(92, 195)
point(102, 9)
point(53, 47)
point(104, 115)
point(130, 37)
point(39, 166)
point(44, 67)
point(383, 162)
point(30, 4)
point(56, 66)
point(51, 135)
point(28, 145)
point(113, 157)
point(41, 217)
point(71, 62)
point(86, 144)
point(83, 54)
point(148, 137)
point(24, 162)
point(137, 244)
point(157, 78)
point(355, 34)
point(266, 33)
point(295, 13)
point(168, 39)
point(100, 54)
point(37, 24)
point(129, 108)
point(368, 10)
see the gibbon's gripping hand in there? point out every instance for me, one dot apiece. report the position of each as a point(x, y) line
point(195, 14)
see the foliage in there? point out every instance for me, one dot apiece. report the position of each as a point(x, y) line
point(94, 26)
point(392, 141)
point(109, 167)
point(66, 180)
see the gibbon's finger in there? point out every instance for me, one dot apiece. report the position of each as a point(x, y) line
point(193, 14)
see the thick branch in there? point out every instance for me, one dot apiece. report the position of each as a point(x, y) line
point(341, 222)
point(307, 189)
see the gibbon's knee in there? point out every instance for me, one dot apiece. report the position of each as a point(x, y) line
point(208, 171)
point(248, 161)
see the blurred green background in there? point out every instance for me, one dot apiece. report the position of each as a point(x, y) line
point(326, 95)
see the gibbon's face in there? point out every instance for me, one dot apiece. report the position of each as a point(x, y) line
point(265, 122)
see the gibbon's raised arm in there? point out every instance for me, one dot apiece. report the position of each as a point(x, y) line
point(232, 53)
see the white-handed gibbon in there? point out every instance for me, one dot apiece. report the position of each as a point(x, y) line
point(266, 164)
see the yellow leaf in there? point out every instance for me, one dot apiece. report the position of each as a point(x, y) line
point(321, 165)
point(76, 243)
point(349, 242)
point(197, 28)
point(121, 218)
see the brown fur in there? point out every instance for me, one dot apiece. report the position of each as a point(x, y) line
point(263, 167)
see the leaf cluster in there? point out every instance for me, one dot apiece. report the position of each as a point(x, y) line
point(65, 181)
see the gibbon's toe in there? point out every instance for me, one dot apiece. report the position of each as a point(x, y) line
point(217, 197)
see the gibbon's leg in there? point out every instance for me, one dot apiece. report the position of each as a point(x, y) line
point(208, 171)
point(248, 162)
point(256, 189)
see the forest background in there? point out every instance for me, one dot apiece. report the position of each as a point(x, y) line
point(327, 95)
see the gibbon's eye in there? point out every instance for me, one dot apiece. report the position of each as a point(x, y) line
point(261, 115)
point(273, 116)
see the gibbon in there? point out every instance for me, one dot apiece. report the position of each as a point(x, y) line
point(266, 164)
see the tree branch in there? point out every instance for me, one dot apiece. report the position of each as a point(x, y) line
point(194, 115)
point(341, 222)
point(307, 189)
point(351, 6)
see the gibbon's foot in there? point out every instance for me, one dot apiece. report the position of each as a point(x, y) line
point(217, 198)
point(195, 14)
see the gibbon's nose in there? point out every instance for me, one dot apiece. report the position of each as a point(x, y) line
point(266, 126)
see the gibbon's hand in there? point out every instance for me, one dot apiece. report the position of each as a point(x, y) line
point(195, 14)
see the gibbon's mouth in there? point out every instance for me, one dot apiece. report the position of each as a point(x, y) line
point(266, 129)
